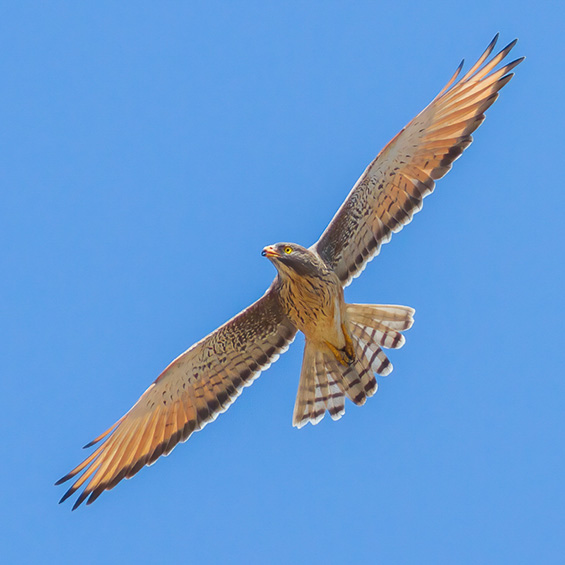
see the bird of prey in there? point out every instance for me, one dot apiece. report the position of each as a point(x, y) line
point(343, 342)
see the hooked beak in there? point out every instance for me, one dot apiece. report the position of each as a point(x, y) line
point(270, 252)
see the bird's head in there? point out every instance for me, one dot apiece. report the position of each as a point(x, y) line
point(292, 259)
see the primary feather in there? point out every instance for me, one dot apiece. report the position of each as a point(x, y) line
point(393, 186)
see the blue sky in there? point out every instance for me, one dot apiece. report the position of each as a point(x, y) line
point(149, 152)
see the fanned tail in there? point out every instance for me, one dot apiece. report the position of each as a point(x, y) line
point(379, 325)
point(325, 381)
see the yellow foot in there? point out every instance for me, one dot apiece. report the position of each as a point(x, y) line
point(345, 356)
point(349, 349)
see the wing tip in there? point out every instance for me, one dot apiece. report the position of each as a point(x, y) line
point(68, 494)
point(64, 479)
point(83, 495)
point(516, 62)
point(511, 45)
point(505, 50)
point(493, 41)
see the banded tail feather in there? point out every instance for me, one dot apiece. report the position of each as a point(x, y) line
point(325, 382)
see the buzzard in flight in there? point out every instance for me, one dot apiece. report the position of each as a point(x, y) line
point(344, 342)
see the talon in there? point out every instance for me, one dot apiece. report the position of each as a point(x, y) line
point(340, 355)
point(345, 356)
point(349, 348)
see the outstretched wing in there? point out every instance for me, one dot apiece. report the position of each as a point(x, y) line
point(393, 186)
point(191, 391)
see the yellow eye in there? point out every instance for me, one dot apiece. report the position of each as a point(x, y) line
point(288, 250)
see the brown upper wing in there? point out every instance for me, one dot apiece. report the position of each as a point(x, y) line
point(393, 186)
point(191, 391)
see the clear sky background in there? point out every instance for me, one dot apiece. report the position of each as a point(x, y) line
point(149, 151)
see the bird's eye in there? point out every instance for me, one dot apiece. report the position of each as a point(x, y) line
point(288, 250)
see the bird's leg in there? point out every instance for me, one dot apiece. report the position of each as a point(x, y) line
point(338, 354)
point(349, 349)
point(345, 356)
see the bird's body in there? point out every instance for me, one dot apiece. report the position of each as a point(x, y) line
point(311, 297)
point(343, 342)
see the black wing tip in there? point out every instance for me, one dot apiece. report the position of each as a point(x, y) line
point(92, 496)
point(493, 41)
point(508, 48)
point(95, 494)
point(511, 45)
point(80, 499)
point(90, 444)
point(63, 479)
point(68, 494)
point(517, 61)
point(508, 76)
point(504, 50)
